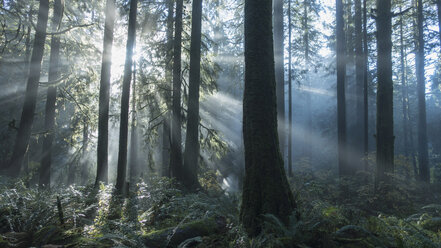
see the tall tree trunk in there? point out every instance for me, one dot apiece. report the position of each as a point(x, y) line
point(385, 131)
point(266, 189)
point(307, 146)
point(54, 74)
point(279, 67)
point(125, 100)
point(133, 155)
point(289, 91)
point(341, 97)
point(103, 118)
point(359, 82)
point(421, 89)
point(169, 78)
point(176, 146)
point(84, 159)
point(27, 115)
point(404, 90)
point(191, 154)
point(365, 87)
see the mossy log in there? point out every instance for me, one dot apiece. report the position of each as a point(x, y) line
point(172, 237)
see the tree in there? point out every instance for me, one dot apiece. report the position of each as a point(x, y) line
point(27, 115)
point(125, 99)
point(421, 88)
point(289, 92)
point(365, 86)
point(103, 118)
point(438, 6)
point(191, 153)
point(265, 189)
point(176, 150)
point(341, 98)
point(133, 155)
point(385, 132)
point(279, 67)
point(359, 78)
point(169, 78)
point(54, 74)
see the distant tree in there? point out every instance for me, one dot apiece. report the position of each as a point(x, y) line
point(365, 86)
point(191, 154)
point(385, 131)
point(176, 147)
point(289, 91)
point(27, 117)
point(125, 100)
point(359, 81)
point(423, 156)
point(54, 75)
point(169, 79)
point(265, 189)
point(133, 153)
point(279, 67)
point(103, 119)
point(341, 98)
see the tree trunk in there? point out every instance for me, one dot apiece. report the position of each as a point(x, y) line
point(266, 189)
point(359, 84)
point(54, 74)
point(133, 162)
point(306, 145)
point(279, 68)
point(84, 159)
point(404, 90)
point(385, 132)
point(176, 150)
point(365, 87)
point(421, 89)
point(289, 91)
point(125, 100)
point(27, 116)
point(191, 154)
point(103, 118)
point(169, 78)
point(341, 97)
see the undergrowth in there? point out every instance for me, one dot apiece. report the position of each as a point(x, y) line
point(332, 212)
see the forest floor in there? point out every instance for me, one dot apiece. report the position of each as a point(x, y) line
point(332, 213)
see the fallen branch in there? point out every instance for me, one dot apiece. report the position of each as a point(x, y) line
point(172, 237)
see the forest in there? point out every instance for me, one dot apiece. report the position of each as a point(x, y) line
point(220, 123)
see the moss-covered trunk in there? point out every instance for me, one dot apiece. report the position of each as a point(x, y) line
point(266, 189)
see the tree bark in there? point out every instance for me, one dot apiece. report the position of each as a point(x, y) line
point(133, 155)
point(438, 6)
point(176, 139)
point(103, 118)
point(169, 78)
point(289, 91)
point(385, 132)
point(125, 100)
point(191, 154)
point(359, 83)
point(341, 97)
point(423, 155)
point(27, 116)
point(266, 189)
point(365, 87)
point(54, 74)
point(279, 68)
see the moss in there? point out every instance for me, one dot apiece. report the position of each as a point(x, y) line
point(3, 243)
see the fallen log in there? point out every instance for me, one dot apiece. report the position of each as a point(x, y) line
point(172, 237)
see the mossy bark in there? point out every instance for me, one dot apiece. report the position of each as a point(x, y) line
point(266, 189)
